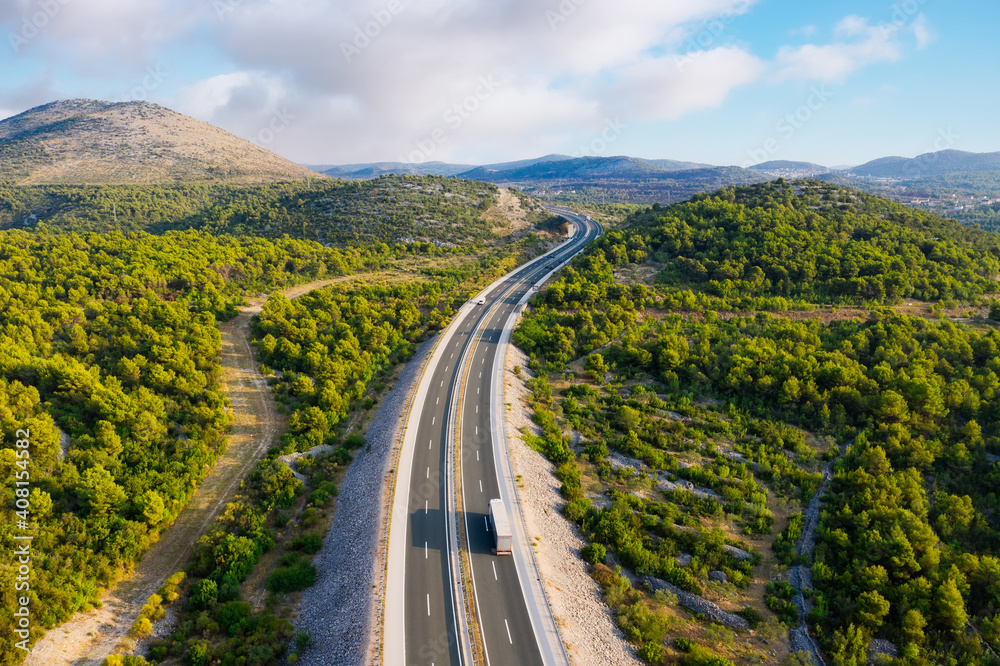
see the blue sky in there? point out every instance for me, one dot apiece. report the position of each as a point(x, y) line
point(475, 81)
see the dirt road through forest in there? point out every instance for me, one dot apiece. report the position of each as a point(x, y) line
point(87, 638)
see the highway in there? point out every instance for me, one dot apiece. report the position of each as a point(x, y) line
point(429, 613)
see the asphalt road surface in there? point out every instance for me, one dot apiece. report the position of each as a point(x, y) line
point(429, 602)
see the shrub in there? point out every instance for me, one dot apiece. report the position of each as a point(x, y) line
point(594, 553)
point(576, 510)
point(652, 653)
point(142, 628)
point(198, 655)
point(232, 616)
point(308, 543)
point(203, 593)
point(354, 441)
point(719, 635)
point(683, 644)
point(124, 660)
point(292, 578)
point(753, 618)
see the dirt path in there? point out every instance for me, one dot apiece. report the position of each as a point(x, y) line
point(87, 638)
point(800, 576)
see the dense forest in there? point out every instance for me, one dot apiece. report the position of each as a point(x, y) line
point(109, 358)
point(905, 406)
point(388, 209)
point(330, 344)
point(325, 354)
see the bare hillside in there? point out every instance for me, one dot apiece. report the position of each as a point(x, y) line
point(85, 141)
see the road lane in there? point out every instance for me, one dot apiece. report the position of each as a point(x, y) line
point(430, 626)
point(504, 616)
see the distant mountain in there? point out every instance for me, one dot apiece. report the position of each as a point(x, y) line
point(616, 168)
point(84, 141)
point(674, 165)
point(369, 170)
point(790, 169)
point(929, 164)
point(376, 169)
point(521, 164)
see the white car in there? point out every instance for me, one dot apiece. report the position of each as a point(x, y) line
point(481, 301)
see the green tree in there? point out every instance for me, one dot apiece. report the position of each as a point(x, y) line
point(872, 609)
point(596, 366)
point(950, 606)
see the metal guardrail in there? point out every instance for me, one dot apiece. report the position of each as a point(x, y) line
point(465, 566)
point(499, 371)
point(470, 620)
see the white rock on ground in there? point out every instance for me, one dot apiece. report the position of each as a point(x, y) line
point(339, 610)
point(585, 622)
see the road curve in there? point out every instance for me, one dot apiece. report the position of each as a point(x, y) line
point(420, 605)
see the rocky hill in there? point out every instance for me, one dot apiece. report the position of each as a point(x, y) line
point(84, 141)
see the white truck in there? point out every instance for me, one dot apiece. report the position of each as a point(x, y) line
point(500, 525)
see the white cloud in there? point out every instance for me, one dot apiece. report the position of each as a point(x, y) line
point(565, 67)
point(659, 89)
point(559, 76)
point(922, 31)
point(851, 26)
point(834, 62)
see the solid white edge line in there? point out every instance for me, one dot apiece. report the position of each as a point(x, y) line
point(395, 592)
point(527, 571)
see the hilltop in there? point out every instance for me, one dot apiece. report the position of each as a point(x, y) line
point(782, 406)
point(790, 169)
point(578, 179)
point(943, 162)
point(433, 209)
point(83, 141)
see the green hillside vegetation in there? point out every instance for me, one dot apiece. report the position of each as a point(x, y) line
point(388, 209)
point(816, 243)
point(748, 405)
point(114, 340)
point(333, 346)
point(326, 355)
point(330, 344)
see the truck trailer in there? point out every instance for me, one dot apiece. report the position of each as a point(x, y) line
point(500, 525)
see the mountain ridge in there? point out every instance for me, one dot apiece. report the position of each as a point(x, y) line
point(86, 141)
point(940, 163)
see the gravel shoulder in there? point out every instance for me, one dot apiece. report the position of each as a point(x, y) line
point(585, 622)
point(339, 611)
